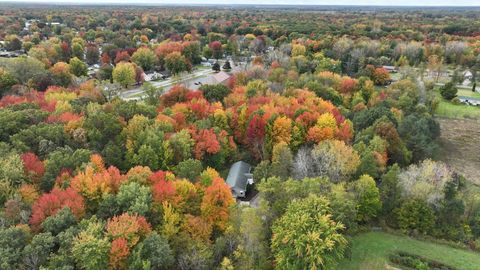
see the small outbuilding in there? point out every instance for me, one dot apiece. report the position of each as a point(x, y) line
point(239, 177)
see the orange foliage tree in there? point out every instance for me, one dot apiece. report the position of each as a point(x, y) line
point(129, 227)
point(216, 203)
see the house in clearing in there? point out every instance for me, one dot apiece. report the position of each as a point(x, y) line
point(239, 177)
point(391, 69)
point(218, 78)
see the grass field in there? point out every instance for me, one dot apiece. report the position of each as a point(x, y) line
point(468, 93)
point(447, 109)
point(370, 251)
point(460, 147)
point(450, 110)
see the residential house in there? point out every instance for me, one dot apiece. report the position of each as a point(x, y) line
point(239, 177)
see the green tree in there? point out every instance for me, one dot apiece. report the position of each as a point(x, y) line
point(6, 81)
point(124, 74)
point(176, 63)
point(216, 67)
point(415, 215)
point(390, 190)
point(92, 55)
point(153, 251)
point(189, 169)
point(420, 133)
point(214, 92)
point(78, 67)
point(90, 247)
point(59, 222)
point(252, 251)
point(182, 145)
point(134, 199)
point(306, 237)
point(12, 242)
point(227, 65)
point(368, 198)
point(153, 93)
point(448, 91)
point(104, 73)
point(78, 50)
point(37, 251)
point(145, 58)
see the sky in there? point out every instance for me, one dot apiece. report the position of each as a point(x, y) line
point(276, 2)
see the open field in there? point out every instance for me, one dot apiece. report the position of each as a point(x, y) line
point(460, 147)
point(447, 109)
point(467, 92)
point(370, 251)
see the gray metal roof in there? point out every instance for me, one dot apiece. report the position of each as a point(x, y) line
point(238, 178)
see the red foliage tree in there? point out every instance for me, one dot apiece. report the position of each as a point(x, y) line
point(163, 191)
point(63, 118)
point(256, 134)
point(33, 166)
point(166, 48)
point(216, 47)
point(122, 56)
point(347, 85)
point(119, 252)
point(50, 203)
point(206, 142)
point(176, 94)
point(105, 59)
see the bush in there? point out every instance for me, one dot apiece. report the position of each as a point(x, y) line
point(448, 91)
point(417, 262)
point(456, 101)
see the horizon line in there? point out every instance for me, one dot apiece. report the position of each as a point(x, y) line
point(148, 3)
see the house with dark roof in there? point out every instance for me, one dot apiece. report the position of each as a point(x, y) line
point(239, 177)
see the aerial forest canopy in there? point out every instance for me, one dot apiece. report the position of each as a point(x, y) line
point(119, 125)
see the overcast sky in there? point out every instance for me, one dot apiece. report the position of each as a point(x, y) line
point(278, 2)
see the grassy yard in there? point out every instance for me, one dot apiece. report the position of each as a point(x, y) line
point(467, 93)
point(370, 251)
point(447, 109)
point(450, 110)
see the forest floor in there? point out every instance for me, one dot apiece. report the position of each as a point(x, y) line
point(460, 146)
point(371, 250)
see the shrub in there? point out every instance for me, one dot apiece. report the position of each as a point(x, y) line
point(448, 91)
point(417, 262)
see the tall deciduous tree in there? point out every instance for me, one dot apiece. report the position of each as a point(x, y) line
point(306, 237)
point(145, 58)
point(124, 74)
point(176, 63)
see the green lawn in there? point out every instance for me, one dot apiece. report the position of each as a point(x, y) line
point(450, 110)
point(447, 109)
point(467, 93)
point(370, 251)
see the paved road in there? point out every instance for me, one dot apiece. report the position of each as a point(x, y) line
point(188, 80)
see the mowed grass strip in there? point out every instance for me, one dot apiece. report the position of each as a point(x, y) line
point(468, 93)
point(450, 110)
point(371, 250)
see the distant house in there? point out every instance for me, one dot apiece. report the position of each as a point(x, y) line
point(391, 69)
point(151, 76)
point(239, 177)
point(218, 78)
